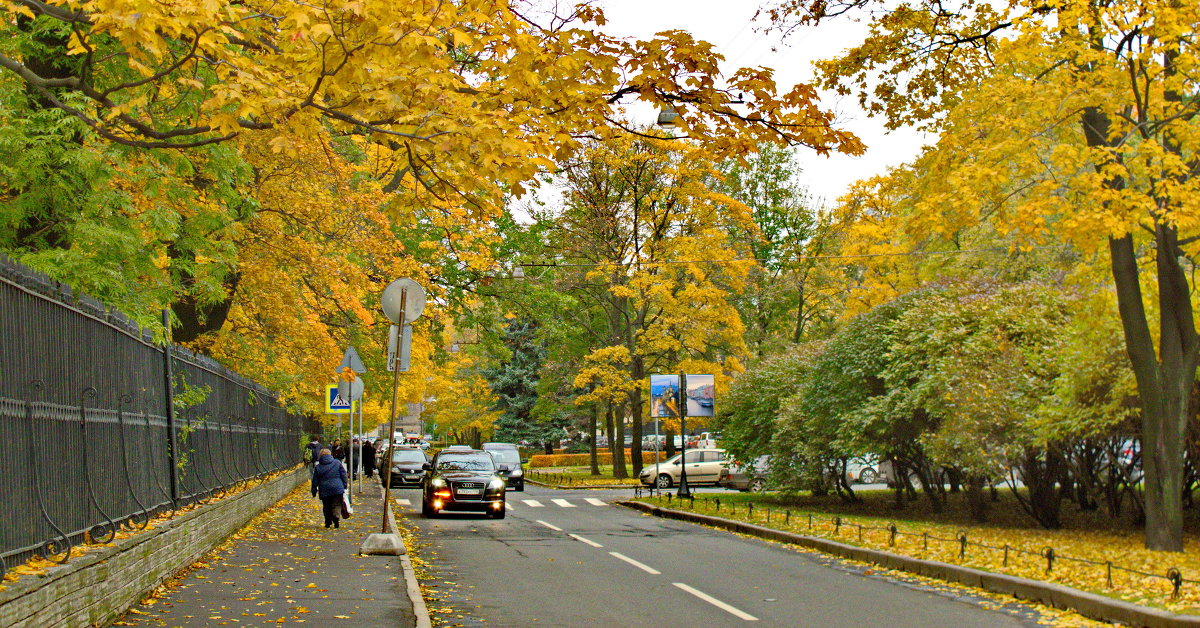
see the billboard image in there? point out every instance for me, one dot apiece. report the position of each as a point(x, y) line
point(701, 395)
point(664, 396)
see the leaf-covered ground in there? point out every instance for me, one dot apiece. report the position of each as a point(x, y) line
point(1085, 536)
point(285, 567)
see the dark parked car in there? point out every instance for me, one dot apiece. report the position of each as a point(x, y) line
point(408, 466)
point(508, 462)
point(463, 479)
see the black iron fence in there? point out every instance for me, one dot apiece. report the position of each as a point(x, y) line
point(101, 427)
point(838, 526)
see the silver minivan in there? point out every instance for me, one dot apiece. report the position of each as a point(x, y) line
point(703, 467)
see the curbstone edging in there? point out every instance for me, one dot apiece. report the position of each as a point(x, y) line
point(411, 585)
point(1091, 605)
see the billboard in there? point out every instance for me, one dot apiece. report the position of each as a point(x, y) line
point(664, 396)
point(701, 395)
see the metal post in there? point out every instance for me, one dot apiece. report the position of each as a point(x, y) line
point(169, 376)
point(683, 485)
point(387, 484)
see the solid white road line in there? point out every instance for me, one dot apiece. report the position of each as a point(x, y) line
point(715, 602)
point(552, 527)
point(595, 502)
point(650, 570)
point(532, 503)
point(564, 503)
point(583, 540)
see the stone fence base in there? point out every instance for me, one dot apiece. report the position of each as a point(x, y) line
point(100, 586)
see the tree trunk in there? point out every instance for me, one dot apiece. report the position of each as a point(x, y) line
point(592, 425)
point(668, 442)
point(799, 331)
point(608, 428)
point(618, 446)
point(635, 403)
point(1164, 380)
point(976, 502)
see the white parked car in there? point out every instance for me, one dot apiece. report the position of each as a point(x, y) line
point(863, 469)
point(703, 467)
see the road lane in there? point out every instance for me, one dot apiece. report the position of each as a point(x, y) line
point(588, 564)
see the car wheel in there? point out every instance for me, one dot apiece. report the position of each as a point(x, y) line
point(520, 487)
point(664, 481)
point(427, 510)
point(868, 476)
point(757, 485)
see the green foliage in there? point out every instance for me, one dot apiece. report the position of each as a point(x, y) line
point(749, 409)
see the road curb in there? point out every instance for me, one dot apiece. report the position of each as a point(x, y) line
point(565, 488)
point(411, 585)
point(1089, 604)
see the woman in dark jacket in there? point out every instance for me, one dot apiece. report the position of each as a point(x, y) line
point(329, 482)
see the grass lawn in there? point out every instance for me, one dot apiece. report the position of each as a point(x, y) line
point(582, 476)
point(1010, 542)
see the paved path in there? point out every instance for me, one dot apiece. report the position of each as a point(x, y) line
point(285, 567)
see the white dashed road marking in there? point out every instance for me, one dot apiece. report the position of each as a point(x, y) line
point(583, 540)
point(564, 503)
point(715, 602)
point(532, 503)
point(650, 570)
point(552, 527)
point(595, 502)
point(404, 502)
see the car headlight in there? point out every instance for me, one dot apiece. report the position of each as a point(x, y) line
point(437, 483)
point(516, 473)
point(496, 483)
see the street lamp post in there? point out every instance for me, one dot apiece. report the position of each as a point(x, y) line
point(684, 491)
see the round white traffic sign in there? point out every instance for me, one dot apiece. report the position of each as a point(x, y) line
point(414, 301)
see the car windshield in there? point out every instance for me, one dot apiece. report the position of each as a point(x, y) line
point(408, 455)
point(465, 463)
point(510, 456)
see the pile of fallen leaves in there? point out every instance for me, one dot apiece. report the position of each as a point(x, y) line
point(126, 528)
point(1082, 558)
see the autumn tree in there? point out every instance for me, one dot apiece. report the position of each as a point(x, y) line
point(648, 241)
point(1075, 118)
point(791, 288)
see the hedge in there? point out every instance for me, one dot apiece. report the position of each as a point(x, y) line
point(581, 460)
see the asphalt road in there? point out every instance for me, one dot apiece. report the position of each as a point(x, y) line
point(568, 558)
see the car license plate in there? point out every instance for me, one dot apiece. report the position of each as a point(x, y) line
point(468, 491)
point(413, 477)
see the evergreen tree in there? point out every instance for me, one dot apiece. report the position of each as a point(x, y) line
point(515, 380)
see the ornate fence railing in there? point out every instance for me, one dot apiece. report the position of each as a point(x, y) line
point(94, 438)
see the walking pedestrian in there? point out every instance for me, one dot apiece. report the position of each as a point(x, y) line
point(312, 451)
point(355, 458)
point(338, 451)
point(329, 483)
point(368, 458)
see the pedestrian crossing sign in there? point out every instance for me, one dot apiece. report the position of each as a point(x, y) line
point(335, 403)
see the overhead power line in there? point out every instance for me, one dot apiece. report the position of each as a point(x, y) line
point(996, 249)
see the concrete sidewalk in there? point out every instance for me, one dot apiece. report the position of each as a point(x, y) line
point(286, 567)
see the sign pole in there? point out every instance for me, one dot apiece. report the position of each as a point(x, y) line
point(387, 483)
point(684, 492)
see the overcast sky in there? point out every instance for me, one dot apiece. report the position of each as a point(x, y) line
point(729, 25)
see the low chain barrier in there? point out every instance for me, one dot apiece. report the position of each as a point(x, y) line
point(837, 526)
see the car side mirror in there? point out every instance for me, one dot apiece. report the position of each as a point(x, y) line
point(504, 466)
point(425, 466)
